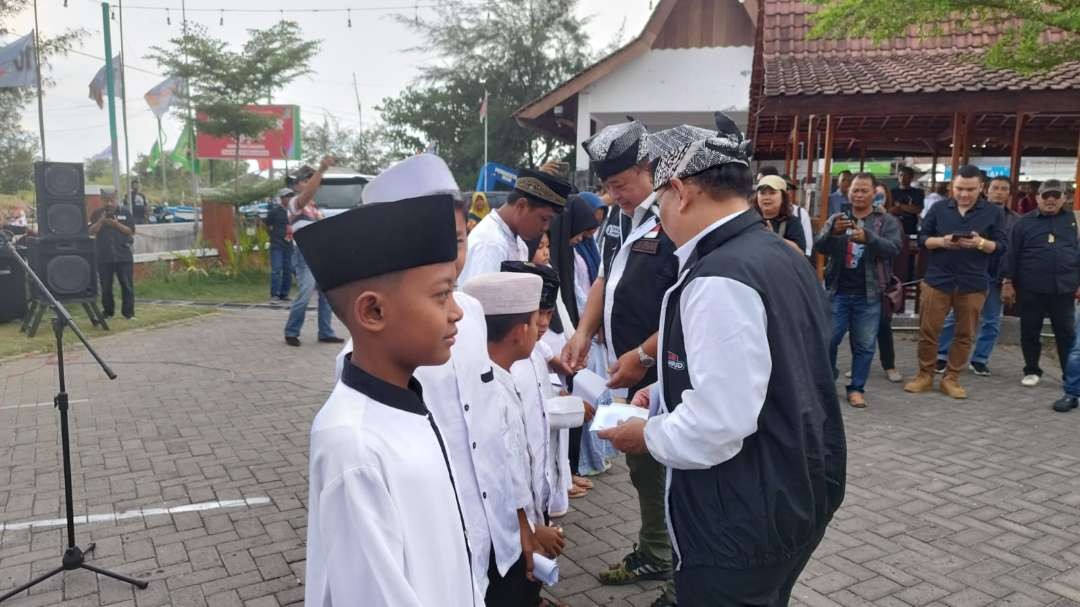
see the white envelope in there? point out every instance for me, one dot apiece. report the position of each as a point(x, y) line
point(609, 416)
point(546, 570)
point(589, 386)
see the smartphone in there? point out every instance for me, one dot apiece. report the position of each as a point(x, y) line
point(848, 214)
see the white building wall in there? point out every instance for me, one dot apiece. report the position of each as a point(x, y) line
point(667, 87)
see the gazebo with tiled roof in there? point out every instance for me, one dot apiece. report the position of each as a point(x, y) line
point(907, 96)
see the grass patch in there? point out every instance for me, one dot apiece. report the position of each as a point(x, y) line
point(246, 286)
point(13, 343)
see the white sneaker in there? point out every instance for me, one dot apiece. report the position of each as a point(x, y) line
point(1030, 381)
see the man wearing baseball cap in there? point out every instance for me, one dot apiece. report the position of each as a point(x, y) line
point(281, 246)
point(1041, 274)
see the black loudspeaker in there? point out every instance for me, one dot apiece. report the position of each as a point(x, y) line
point(66, 266)
point(12, 288)
point(61, 199)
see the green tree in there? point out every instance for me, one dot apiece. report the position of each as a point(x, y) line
point(223, 81)
point(1023, 45)
point(369, 151)
point(515, 49)
point(97, 168)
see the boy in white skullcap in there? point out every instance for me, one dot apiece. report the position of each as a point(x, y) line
point(511, 304)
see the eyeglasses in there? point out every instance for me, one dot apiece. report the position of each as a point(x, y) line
point(1050, 195)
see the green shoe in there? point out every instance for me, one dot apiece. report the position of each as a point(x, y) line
point(634, 568)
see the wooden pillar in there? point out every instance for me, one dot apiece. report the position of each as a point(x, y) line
point(1015, 152)
point(794, 169)
point(1076, 183)
point(811, 151)
point(787, 148)
point(965, 156)
point(862, 157)
point(933, 171)
point(957, 141)
point(826, 179)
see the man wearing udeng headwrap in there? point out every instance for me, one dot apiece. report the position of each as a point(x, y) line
point(749, 422)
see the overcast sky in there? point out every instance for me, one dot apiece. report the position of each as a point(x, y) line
point(374, 48)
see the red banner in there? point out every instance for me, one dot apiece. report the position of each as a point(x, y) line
point(280, 142)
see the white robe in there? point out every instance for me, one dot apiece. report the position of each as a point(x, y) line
point(559, 444)
point(521, 456)
point(472, 418)
point(384, 524)
point(490, 243)
point(534, 386)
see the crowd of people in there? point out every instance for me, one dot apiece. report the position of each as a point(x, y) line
point(460, 428)
point(983, 252)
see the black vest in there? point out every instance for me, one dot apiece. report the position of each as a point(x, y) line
point(651, 268)
point(779, 492)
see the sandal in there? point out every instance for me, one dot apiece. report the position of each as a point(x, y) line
point(576, 492)
point(857, 400)
point(582, 482)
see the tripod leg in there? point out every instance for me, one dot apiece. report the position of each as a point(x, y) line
point(90, 314)
point(30, 311)
point(37, 321)
point(117, 576)
point(31, 584)
point(100, 317)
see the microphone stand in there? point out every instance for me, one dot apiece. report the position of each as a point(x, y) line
point(74, 557)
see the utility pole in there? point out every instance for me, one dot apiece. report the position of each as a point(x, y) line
point(110, 91)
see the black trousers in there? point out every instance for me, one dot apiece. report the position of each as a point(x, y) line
point(123, 271)
point(760, 587)
point(512, 589)
point(886, 349)
point(1034, 308)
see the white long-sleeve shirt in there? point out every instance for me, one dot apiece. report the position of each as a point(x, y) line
point(729, 362)
point(490, 243)
point(517, 443)
point(384, 525)
point(473, 424)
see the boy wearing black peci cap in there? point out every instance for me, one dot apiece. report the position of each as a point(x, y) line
point(384, 524)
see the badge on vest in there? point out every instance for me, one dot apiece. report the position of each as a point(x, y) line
point(613, 231)
point(674, 362)
point(649, 247)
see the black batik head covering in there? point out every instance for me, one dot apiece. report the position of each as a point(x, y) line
point(578, 218)
point(616, 148)
point(687, 150)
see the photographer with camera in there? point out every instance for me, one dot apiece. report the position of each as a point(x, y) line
point(859, 243)
point(113, 229)
point(961, 233)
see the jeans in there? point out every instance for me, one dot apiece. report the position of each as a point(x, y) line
point(306, 282)
point(989, 328)
point(281, 269)
point(1033, 308)
point(1072, 366)
point(123, 271)
point(861, 316)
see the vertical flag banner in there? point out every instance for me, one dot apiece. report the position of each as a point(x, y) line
point(97, 85)
point(17, 67)
point(484, 107)
point(182, 152)
point(154, 158)
point(161, 97)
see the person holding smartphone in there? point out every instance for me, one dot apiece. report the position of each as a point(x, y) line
point(961, 233)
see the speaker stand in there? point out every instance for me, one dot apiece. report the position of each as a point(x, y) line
point(38, 308)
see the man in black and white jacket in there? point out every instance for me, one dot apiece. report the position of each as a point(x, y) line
point(748, 420)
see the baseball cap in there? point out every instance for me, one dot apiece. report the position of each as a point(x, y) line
point(1051, 185)
point(284, 192)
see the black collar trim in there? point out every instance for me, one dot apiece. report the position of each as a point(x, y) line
point(410, 400)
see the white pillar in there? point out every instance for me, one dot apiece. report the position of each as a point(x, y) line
point(584, 130)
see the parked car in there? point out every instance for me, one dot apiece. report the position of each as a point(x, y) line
point(340, 190)
point(256, 210)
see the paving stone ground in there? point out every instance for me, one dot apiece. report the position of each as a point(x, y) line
point(949, 503)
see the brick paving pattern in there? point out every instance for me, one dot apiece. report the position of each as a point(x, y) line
point(949, 503)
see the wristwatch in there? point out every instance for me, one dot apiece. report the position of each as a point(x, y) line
point(646, 361)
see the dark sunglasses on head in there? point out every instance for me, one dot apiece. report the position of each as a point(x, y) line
point(1050, 195)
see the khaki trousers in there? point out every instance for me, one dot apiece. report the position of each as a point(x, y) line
point(934, 306)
